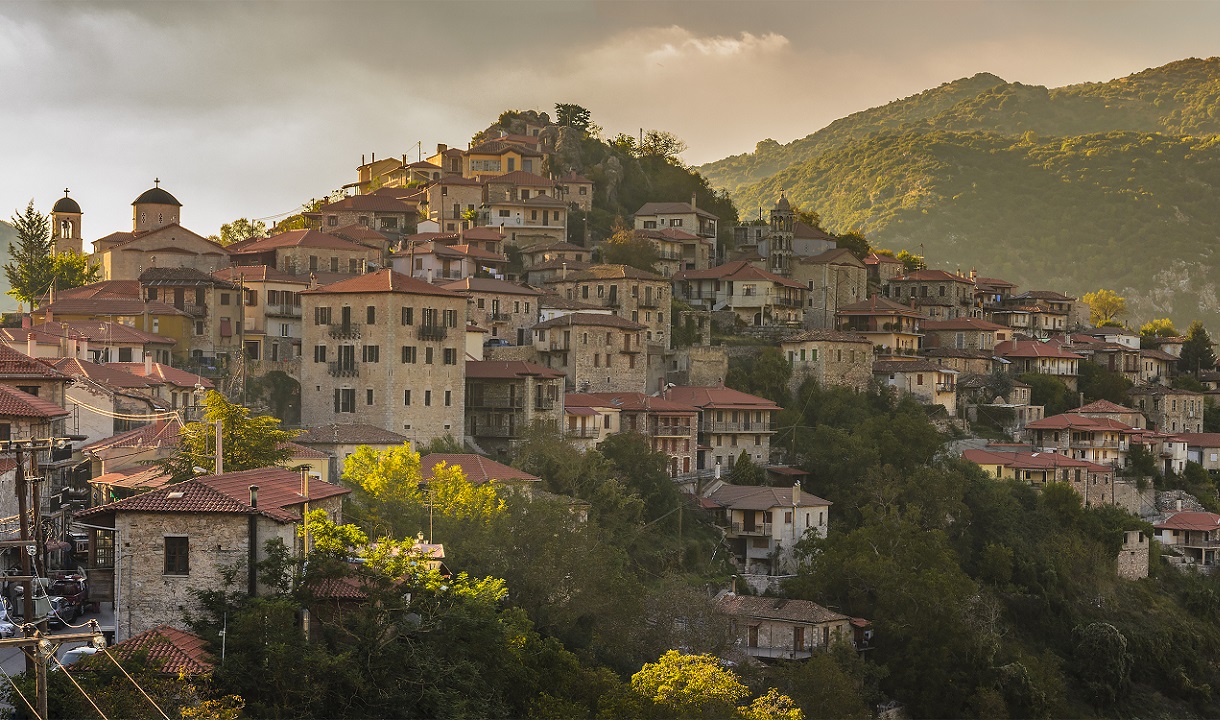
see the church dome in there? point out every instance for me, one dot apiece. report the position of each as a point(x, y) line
point(156, 196)
point(66, 205)
point(782, 203)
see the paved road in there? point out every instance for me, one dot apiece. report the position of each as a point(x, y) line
point(13, 659)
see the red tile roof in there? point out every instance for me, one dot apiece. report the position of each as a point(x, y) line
point(718, 397)
point(751, 497)
point(14, 403)
point(837, 256)
point(1189, 520)
point(1072, 420)
point(172, 651)
point(672, 208)
point(1102, 406)
point(158, 434)
point(639, 402)
point(610, 272)
point(926, 275)
point(1207, 440)
point(594, 319)
point(100, 330)
point(477, 468)
point(381, 281)
point(298, 238)
point(349, 434)
point(165, 374)
point(113, 377)
point(258, 273)
point(876, 305)
point(770, 608)
point(489, 285)
point(1034, 349)
point(1029, 460)
point(368, 203)
point(962, 324)
point(738, 270)
point(508, 369)
point(19, 366)
point(520, 177)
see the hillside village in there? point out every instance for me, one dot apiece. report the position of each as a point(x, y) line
point(460, 304)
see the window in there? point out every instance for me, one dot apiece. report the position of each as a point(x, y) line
point(448, 398)
point(450, 357)
point(224, 298)
point(650, 224)
point(345, 400)
point(332, 220)
point(504, 213)
point(675, 222)
point(321, 316)
point(408, 316)
point(408, 353)
point(368, 396)
point(319, 353)
point(177, 555)
point(427, 398)
point(198, 327)
point(370, 315)
point(451, 318)
point(406, 397)
point(427, 356)
point(334, 264)
point(313, 263)
point(124, 354)
point(284, 330)
point(353, 265)
point(585, 191)
point(363, 220)
point(371, 353)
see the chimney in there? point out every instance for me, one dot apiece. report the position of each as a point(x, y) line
point(693, 206)
point(429, 274)
point(563, 272)
point(84, 348)
point(796, 494)
point(252, 545)
point(72, 351)
point(313, 281)
point(362, 162)
point(404, 159)
point(148, 368)
point(26, 322)
point(30, 345)
point(1178, 504)
point(50, 316)
point(441, 147)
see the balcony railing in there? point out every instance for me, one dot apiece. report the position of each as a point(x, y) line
point(500, 317)
point(583, 432)
point(344, 331)
point(284, 310)
point(631, 349)
point(544, 404)
point(672, 430)
point(432, 332)
point(755, 529)
point(343, 369)
point(496, 403)
point(945, 387)
point(193, 309)
point(648, 302)
point(713, 426)
point(559, 345)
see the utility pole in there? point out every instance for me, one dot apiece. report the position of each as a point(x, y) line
point(27, 584)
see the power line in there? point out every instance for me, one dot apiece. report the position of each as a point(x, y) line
point(19, 693)
point(133, 682)
point(82, 690)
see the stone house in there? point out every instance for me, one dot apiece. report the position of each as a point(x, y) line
point(507, 309)
point(1156, 366)
point(505, 398)
point(990, 293)
point(101, 395)
point(1193, 537)
point(339, 440)
point(881, 269)
point(1011, 412)
point(597, 353)
point(540, 273)
point(730, 422)
point(541, 219)
point(891, 327)
point(628, 292)
point(175, 387)
point(1168, 409)
point(589, 418)
point(387, 349)
point(307, 252)
point(272, 321)
point(964, 333)
point(678, 250)
point(577, 190)
point(927, 382)
point(562, 251)
point(157, 239)
point(685, 216)
point(153, 549)
point(1094, 482)
point(1133, 556)
point(835, 278)
point(134, 449)
point(779, 628)
point(387, 215)
point(829, 357)
point(670, 427)
point(938, 294)
point(96, 341)
point(1101, 441)
point(1112, 411)
point(762, 524)
point(435, 261)
point(1040, 313)
point(757, 297)
point(452, 197)
point(1203, 448)
point(496, 157)
point(967, 362)
point(1032, 356)
point(215, 307)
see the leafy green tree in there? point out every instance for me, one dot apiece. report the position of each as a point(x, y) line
point(1049, 391)
point(745, 472)
point(31, 266)
point(836, 684)
point(572, 115)
point(240, 230)
point(809, 217)
point(1103, 661)
point(1099, 383)
point(1105, 306)
point(1161, 327)
point(71, 269)
point(624, 247)
point(764, 373)
point(1197, 354)
point(690, 686)
point(248, 442)
point(854, 241)
point(911, 262)
point(662, 144)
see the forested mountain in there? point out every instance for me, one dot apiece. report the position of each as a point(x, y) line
point(1100, 184)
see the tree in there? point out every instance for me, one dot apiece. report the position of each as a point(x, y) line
point(31, 266)
point(1100, 383)
point(240, 230)
point(471, 216)
point(809, 217)
point(1161, 327)
point(745, 472)
point(911, 262)
point(854, 241)
point(690, 686)
point(662, 144)
point(248, 442)
point(1103, 661)
point(1105, 306)
point(572, 115)
point(1049, 391)
point(1197, 353)
point(71, 269)
point(624, 247)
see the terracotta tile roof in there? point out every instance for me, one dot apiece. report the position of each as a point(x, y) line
point(826, 336)
point(150, 478)
point(1188, 520)
point(496, 147)
point(482, 234)
point(1048, 295)
point(805, 231)
point(300, 452)
point(610, 272)
point(1155, 354)
point(105, 288)
point(178, 276)
point(639, 402)
point(520, 177)
point(277, 487)
point(1102, 406)
point(14, 403)
point(478, 253)
point(943, 352)
point(192, 496)
point(889, 367)
point(1029, 460)
point(757, 606)
point(572, 177)
point(258, 273)
point(1072, 420)
point(1034, 349)
point(164, 374)
point(299, 238)
point(585, 400)
point(349, 434)
point(99, 330)
point(173, 651)
point(110, 306)
point(368, 203)
point(361, 234)
point(477, 468)
point(558, 302)
point(671, 208)
point(382, 281)
point(926, 275)
point(508, 369)
point(962, 324)
point(19, 366)
point(876, 305)
point(581, 318)
point(748, 497)
point(738, 270)
point(559, 264)
point(158, 434)
point(837, 256)
point(718, 397)
point(553, 247)
point(113, 377)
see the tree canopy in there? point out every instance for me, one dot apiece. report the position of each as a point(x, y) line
point(247, 442)
point(1105, 306)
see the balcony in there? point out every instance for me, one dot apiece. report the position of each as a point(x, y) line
point(498, 431)
point(544, 404)
point(292, 311)
point(193, 309)
point(496, 403)
point(650, 303)
point(344, 331)
point(759, 529)
point(499, 317)
point(671, 430)
point(583, 432)
point(945, 387)
point(559, 345)
point(712, 426)
point(343, 369)
point(631, 349)
point(432, 332)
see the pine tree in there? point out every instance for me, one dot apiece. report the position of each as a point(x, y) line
point(31, 265)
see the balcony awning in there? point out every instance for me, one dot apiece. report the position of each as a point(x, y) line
point(579, 411)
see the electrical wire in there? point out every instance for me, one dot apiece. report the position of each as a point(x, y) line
point(19, 693)
point(152, 702)
point(78, 687)
point(126, 416)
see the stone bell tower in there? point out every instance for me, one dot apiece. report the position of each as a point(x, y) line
point(65, 225)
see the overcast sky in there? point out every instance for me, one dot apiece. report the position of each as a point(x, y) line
point(248, 109)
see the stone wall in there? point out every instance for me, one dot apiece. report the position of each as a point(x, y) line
point(1133, 558)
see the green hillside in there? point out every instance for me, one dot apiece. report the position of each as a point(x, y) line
point(1102, 184)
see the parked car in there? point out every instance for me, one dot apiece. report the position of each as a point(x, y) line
point(496, 342)
point(73, 591)
point(74, 655)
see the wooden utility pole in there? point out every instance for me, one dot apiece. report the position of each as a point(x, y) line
point(27, 584)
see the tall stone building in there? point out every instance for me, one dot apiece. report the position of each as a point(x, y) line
point(65, 225)
point(387, 350)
